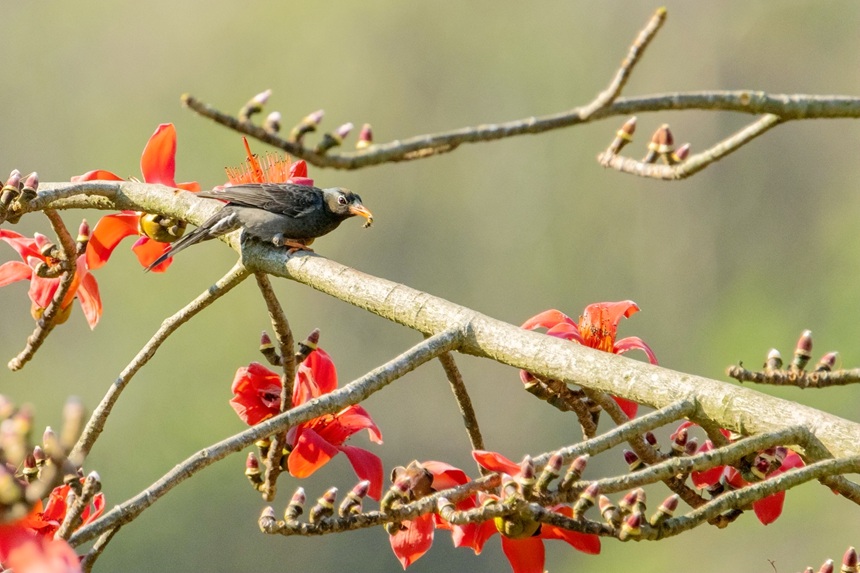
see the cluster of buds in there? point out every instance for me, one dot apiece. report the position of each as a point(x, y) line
point(308, 124)
point(801, 358)
point(408, 484)
point(849, 564)
point(661, 146)
point(17, 191)
point(324, 509)
point(304, 348)
point(629, 515)
point(28, 472)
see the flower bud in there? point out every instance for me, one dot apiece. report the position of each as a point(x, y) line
point(296, 505)
point(665, 511)
point(827, 362)
point(273, 122)
point(679, 442)
point(28, 191)
point(254, 105)
point(586, 500)
point(324, 507)
point(609, 511)
point(849, 561)
point(679, 155)
point(623, 136)
point(826, 567)
point(267, 519)
point(351, 504)
point(632, 527)
point(365, 137)
point(632, 460)
point(628, 502)
point(803, 351)
point(574, 472)
point(773, 361)
point(308, 124)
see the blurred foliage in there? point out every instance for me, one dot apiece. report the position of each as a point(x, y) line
point(724, 266)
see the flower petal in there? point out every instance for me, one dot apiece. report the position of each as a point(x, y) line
point(585, 542)
point(496, 462)
point(341, 426)
point(314, 377)
point(367, 466)
point(88, 294)
point(634, 343)
point(768, 509)
point(526, 555)
point(547, 319)
point(14, 271)
point(96, 175)
point(148, 250)
point(413, 539)
point(256, 393)
point(309, 453)
point(629, 407)
point(445, 476)
point(566, 331)
point(158, 162)
point(106, 235)
point(710, 476)
point(24, 246)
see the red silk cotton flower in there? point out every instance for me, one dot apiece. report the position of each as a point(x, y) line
point(766, 465)
point(415, 536)
point(42, 290)
point(28, 545)
point(157, 165)
point(526, 554)
point(256, 397)
point(597, 328)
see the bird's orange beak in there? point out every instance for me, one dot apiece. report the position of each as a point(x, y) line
point(363, 211)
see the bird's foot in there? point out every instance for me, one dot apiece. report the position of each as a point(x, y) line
point(281, 241)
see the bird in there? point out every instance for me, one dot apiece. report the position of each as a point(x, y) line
point(284, 214)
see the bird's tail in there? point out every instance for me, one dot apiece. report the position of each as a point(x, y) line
point(192, 238)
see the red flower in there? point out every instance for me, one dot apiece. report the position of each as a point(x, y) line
point(256, 397)
point(28, 545)
point(526, 554)
point(158, 165)
point(597, 329)
point(767, 509)
point(271, 169)
point(46, 522)
point(415, 536)
point(42, 290)
point(24, 552)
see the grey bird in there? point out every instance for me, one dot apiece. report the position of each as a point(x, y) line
point(283, 214)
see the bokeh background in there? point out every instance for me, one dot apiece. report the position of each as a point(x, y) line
point(739, 259)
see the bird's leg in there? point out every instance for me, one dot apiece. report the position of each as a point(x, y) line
point(280, 241)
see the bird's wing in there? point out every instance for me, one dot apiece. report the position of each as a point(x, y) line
point(285, 198)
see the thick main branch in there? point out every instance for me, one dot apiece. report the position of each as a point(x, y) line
point(736, 408)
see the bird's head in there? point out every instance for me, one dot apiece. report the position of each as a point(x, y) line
point(344, 203)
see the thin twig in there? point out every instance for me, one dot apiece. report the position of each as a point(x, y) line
point(464, 402)
point(46, 323)
point(694, 163)
point(747, 495)
point(96, 423)
point(352, 393)
point(799, 378)
point(89, 560)
point(429, 145)
point(644, 450)
point(637, 50)
point(286, 347)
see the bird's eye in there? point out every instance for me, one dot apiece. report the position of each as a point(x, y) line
point(342, 200)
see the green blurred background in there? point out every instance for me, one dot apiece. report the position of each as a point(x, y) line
point(724, 266)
